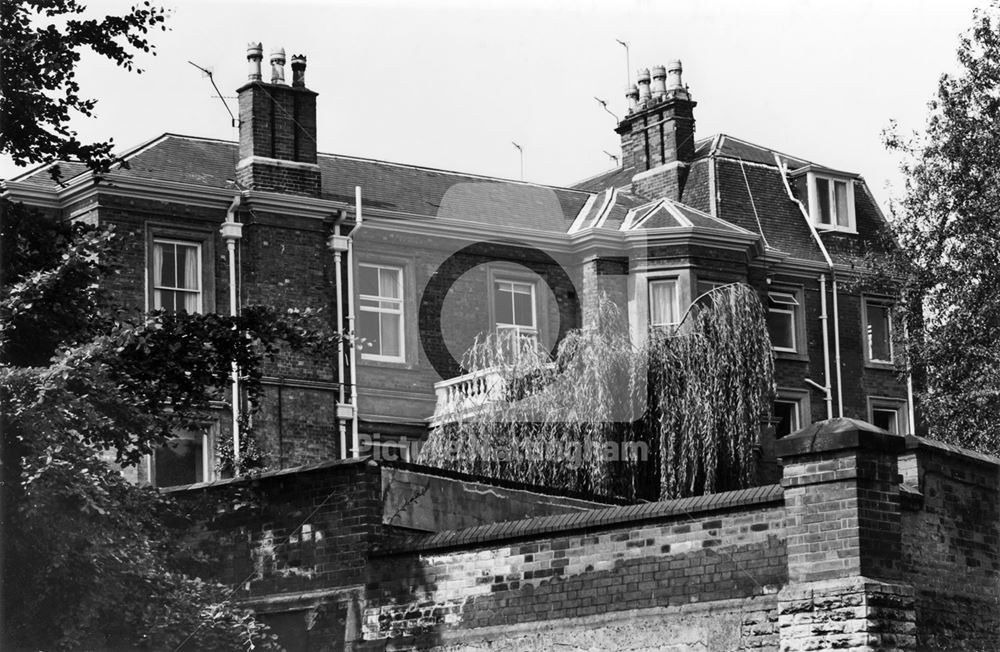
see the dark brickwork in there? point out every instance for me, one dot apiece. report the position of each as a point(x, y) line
point(284, 264)
point(278, 122)
point(951, 551)
point(273, 177)
point(661, 134)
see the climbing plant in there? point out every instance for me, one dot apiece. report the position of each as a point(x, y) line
point(676, 416)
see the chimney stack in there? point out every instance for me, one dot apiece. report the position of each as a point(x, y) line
point(658, 133)
point(277, 149)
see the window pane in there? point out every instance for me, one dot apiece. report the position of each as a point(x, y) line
point(368, 280)
point(823, 198)
point(662, 303)
point(368, 328)
point(503, 303)
point(168, 273)
point(389, 283)
point(884, 419)
point(786, 412)
point(879, 333)
point(781, 326)
point(840, 199)
point(390, 335)
point(190, 302)
point(523, 310)
point(178, 462)
point(782, 298)
point(165, 300)
point(187, 267)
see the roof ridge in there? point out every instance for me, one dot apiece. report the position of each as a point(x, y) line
point(471, 175)
point(763, 148)
point(599, 174)
point(145, 145)
point(709, 216)
point(127, 153)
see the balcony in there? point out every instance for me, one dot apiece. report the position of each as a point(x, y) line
point(462, 396)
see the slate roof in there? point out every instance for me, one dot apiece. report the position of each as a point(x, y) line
point(749, 191)
point(390, 186)
point(752, 195)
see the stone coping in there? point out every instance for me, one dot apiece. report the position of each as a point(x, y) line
point(403, 466)
point(277, 473)
point(840, 433)
point(915, 442)
point(595, 519)
point(506, 484)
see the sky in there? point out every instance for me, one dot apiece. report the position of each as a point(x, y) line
point(450, 84)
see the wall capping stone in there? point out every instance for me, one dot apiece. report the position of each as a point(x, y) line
point(838, 434)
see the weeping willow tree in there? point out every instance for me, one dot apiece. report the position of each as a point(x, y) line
point(676, 416)
point(711, 381)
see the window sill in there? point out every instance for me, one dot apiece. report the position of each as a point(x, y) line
point(790, 355)
point(875, 364)
point(826, 228)
point(384, 364)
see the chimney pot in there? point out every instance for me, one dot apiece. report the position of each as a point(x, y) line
point(254, 55)
point(675, 86)
point(632, 95)
point(299, 70)
point(643, 81)
point(659, 88)
point(278, 66)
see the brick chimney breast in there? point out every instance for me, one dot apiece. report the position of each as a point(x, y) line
point(277, 148)
point(658, 133)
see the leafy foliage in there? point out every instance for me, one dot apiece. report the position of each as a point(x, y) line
point(89, 562)
point(677, 416)
point(712, 381)
point(948, 229)
point(40, 44)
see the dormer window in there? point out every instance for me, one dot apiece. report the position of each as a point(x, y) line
point(831, 202)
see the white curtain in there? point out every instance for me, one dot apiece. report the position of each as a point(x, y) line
point(190, 278)
point(388, 283)
point(157, 275)
point(661, 299)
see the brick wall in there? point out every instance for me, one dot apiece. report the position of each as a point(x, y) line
point(663, 557)
point(950, 552)
point(876, 541)
point(284, 264)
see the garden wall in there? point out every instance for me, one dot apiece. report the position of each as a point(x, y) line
point(872, 541)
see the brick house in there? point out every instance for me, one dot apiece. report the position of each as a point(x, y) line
point(421, 261)
point(871, 540)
